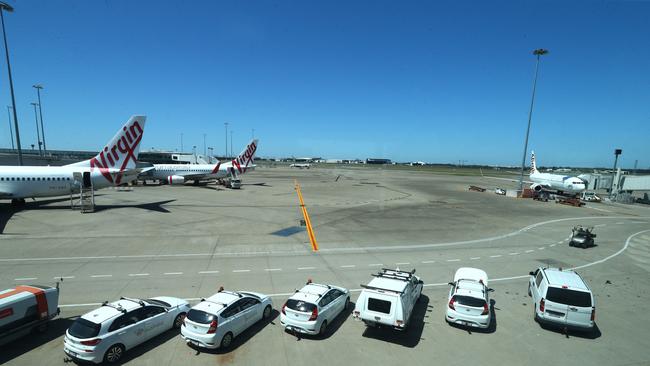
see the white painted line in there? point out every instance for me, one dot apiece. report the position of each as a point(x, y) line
point(375, 264)
point(138, 274)
point(627, 243)
point(399, 246)
point(208, 272)
point(427, 262)
point(567, 239)
point(173, 273)
point(402, 263)
point(600, 225)
point(304, 268)
point(272, 269)
point(560, 242)
point(25, 279)
point(241, 270)
point(495, 256)
point(475, 258)
point(514, 253)
point(453, 260)
point(530, 250)
point(620, 223)
point(541, 248)
point(552, 245)
point(348, 266)
point(63, 277)
point(599, 209)
point(100, 276)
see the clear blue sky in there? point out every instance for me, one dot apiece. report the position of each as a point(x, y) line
point(406, 80)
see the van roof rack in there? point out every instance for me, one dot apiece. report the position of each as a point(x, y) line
point(116, 307)
point(381, 289)
point(396, 275)
point(138, 301)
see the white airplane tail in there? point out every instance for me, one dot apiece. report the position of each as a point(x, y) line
point(245, 159)
point(533, 164)
point(120, 153)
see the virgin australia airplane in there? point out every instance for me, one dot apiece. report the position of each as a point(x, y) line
point(555, 182)
point(114, 165)
point(180, 173)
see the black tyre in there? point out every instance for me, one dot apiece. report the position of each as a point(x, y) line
point(178, 321)
point(114, 354)
point(226, 341)
point(347, 303)
point(267, 312)
point(323, 328)
point(584, 244)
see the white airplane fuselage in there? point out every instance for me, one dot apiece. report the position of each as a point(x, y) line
point(557, 182)
point(48, 181)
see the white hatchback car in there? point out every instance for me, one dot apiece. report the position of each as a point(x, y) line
point(104, 334)
point(468, 299)
point(217, 320)
point(313, 307)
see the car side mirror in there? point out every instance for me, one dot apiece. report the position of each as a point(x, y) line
point(450, 283)
point(421, 282)
point(490, 290)
point(531, 273)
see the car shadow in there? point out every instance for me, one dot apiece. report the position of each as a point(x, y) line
point(589, 334)
point(331, 328)
point(55, 330)
point(241, 338)
point(490, 329)
point(412, 335)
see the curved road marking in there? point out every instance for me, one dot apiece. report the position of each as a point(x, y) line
point(627, 243)
point(330, 250)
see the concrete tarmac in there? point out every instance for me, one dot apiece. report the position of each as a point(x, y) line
point(186, 241)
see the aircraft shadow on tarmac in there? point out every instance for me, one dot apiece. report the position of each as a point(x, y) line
point(331, 328)
point(412, 335)
point(242, 337)
point(55, 330)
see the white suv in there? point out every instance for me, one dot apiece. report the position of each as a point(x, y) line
point(313, 307)
point(468, 299)
point(215, 321)
point(562, 298)
point(103, 334)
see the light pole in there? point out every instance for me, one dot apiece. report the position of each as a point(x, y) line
point(211, 151)
point(40, 112)
point(226, 124)
point(194, 153)
point(181, 142)
point(38, 134)
point(204, 151)
point(4, 6)
point(231, 155)
point(617, 152)
point(538, 52)
point(11, 129)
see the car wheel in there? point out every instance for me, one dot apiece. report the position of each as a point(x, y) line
point(323, 328)
point(114, 354)
point(584, 245)
point(226, 341)
point(267, 312)
point(178, 321)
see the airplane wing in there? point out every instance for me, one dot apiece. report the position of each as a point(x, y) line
point(508, 179)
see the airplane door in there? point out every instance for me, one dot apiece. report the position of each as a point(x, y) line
point(86, 180)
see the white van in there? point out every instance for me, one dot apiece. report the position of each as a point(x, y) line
point(25, 308)
point(389, 299)
point(562, 298)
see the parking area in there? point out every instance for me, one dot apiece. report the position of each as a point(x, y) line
point(187, 241)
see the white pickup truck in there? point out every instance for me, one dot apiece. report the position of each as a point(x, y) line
point(388, 300)
point(26, 308)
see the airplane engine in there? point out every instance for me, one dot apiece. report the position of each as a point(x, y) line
point(175, 179)
point(536, 187)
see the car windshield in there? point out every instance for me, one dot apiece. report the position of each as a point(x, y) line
point(82, 328)
point(299, 305)
point(469, 301)
point(568, 297)
point(379, 305)
point(158, 302)
point(199, 316)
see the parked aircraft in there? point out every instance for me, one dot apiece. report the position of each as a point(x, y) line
point(554, 182)
point(181, 173)
point(113, 166)
point(300, 165)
